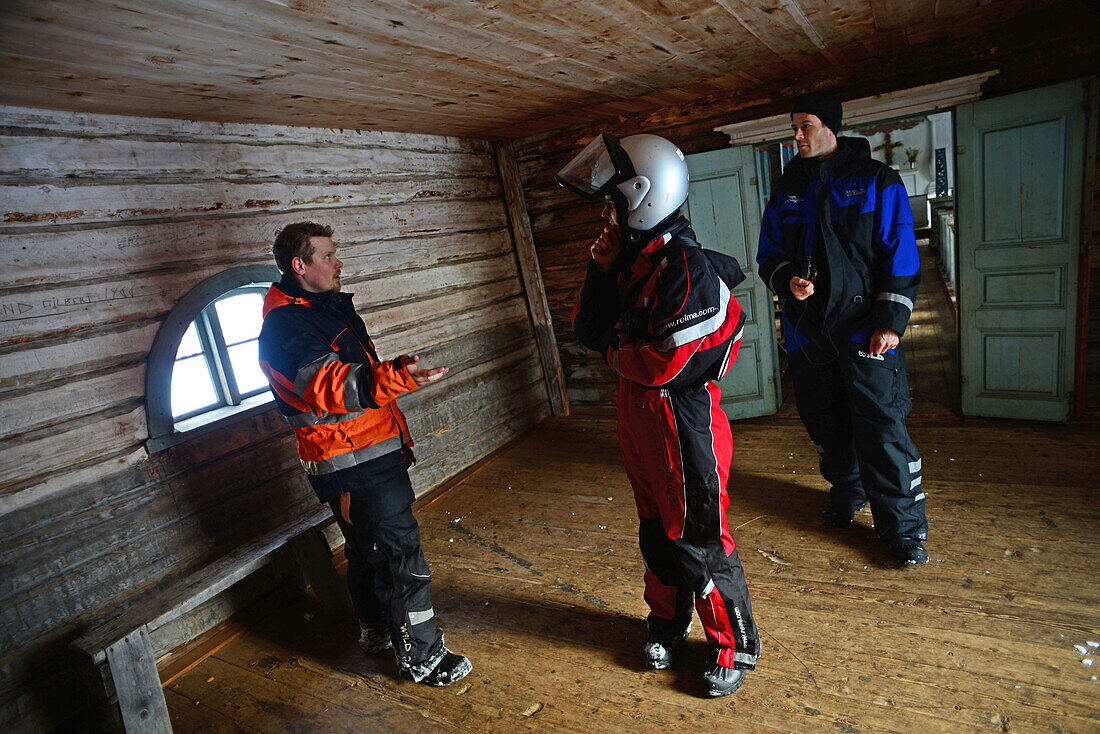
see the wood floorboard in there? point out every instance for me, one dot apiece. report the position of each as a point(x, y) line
point(187, 716)
point(1016, 571)
point(587, 681)
point(1015, 580)
point(903, 638)
point(939, 612)
point(298, 701)
point(537, 577)
point(552, 686)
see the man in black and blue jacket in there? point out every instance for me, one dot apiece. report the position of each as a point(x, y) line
point(837, 246)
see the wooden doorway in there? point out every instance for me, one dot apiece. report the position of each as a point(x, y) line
point(1021, 183)
point(723, 212)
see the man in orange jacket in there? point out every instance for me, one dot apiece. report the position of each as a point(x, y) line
point(354, 443)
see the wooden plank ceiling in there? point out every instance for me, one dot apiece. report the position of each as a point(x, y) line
point(470, 68)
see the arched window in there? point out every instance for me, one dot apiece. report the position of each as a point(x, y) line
point(202, 368)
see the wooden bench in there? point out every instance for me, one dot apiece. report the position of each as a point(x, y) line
point(119, 649)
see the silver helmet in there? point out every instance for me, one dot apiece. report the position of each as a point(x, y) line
point(645, 176)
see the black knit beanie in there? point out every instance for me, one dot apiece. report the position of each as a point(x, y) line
point(823, 104)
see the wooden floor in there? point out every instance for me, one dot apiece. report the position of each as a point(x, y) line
point(537, 578)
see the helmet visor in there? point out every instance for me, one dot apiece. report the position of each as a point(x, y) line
point(590, 170)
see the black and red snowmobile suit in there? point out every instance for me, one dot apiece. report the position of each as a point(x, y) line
point(665, 320)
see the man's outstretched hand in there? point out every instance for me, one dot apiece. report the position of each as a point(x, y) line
point(422, 376)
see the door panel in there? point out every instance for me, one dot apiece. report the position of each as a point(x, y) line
point(722, 207)
point(1021, 171)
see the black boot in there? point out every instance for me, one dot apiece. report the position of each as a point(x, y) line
point(719, 680)
point(450, 668)
point(841, 516)
point(909, 552)
point(665, 640)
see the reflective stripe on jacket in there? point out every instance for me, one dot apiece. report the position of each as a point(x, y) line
point(328, 382)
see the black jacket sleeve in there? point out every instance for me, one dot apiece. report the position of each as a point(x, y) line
point(597, 309)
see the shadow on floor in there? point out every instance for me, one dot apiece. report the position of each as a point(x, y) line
point(799, 507)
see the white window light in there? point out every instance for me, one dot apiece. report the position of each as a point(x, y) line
point(203, 369)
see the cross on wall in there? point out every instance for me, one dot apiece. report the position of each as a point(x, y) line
point(887, 148)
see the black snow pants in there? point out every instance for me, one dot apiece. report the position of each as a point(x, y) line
point(388, 577)
point(854, 406)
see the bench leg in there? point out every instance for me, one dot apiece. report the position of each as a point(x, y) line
point(133, 670)
point(314, 557)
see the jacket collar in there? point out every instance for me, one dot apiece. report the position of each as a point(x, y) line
point(643, 259)
point(287, 292)
point(849, 151)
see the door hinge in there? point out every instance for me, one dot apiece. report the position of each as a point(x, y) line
point(752, 181)
point(960, 150)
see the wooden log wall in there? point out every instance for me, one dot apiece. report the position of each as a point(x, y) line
point(107, 223)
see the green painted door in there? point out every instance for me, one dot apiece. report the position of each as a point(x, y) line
point(1020, 170)
point(722, 207)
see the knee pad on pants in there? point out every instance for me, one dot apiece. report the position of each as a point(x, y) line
point(658, 553)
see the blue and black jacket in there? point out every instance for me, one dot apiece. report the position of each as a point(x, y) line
point(851, 215)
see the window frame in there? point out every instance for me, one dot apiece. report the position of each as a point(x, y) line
point(165, 430)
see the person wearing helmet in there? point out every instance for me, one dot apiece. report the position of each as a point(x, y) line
point(837, 246)
point(659, 310)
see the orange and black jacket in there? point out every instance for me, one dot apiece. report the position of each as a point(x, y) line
point(328, 381)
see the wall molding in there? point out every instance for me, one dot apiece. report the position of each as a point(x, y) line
point(925, 98)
